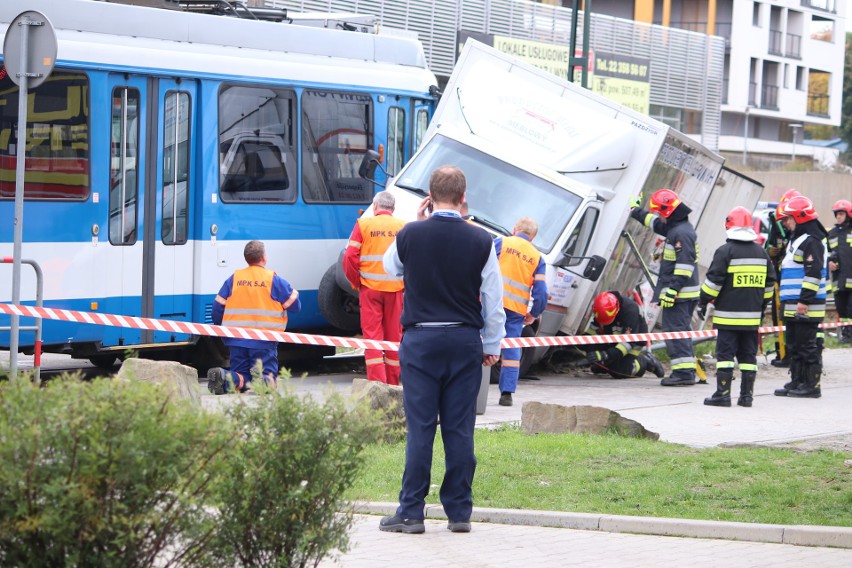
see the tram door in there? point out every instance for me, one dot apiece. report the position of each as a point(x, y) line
point(127, 175)
point(167, 266)
point(151, 172)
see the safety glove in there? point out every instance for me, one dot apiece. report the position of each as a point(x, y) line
point(595, 357)
point(636, 201)
point(701, 311)
point(667, 297)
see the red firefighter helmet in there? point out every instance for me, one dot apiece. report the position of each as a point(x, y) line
point(779, 212)
point(842, 205)
point(801, 209)
point(789, 194)
point(664, 202)
point(738, 217)
point(605, 308)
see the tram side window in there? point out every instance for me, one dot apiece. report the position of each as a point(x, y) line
point(57, 138)
point(176, 146)
point(396, 140)
point(257, 156)
point(420, 128)
point(336, 131)
point(124, 166)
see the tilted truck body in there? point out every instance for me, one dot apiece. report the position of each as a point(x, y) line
point(532, 144)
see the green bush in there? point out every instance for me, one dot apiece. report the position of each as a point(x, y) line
point(106, 473)
point(281, 499)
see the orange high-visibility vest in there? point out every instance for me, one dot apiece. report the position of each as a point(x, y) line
point(377, 234)
point(250, 303)
point(518, 262)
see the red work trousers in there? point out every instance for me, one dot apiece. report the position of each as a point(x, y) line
point(380, 313)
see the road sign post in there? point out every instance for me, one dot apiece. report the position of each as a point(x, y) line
point(29, 53)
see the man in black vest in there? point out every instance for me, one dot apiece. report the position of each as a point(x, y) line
point(453, 321)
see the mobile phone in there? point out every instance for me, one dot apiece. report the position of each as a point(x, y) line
point(429, 206)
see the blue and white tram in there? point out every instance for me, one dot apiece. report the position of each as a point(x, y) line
point(165, 140)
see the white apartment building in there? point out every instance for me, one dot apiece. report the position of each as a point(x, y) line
point(783, 67)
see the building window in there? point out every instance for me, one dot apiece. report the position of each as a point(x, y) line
point(800, 78)
point(124, 166)
point(822, 29)
point(57, 138)
point(818, 98)
point(336, 131)
point(257, 152)
point(755, 14)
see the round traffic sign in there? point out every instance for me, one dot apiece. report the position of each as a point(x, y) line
point(33, 61)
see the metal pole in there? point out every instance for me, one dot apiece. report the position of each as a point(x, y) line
point(20, 169)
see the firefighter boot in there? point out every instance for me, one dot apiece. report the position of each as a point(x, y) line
point(747, 389)
point(796, 379)
point(653, 364)
point(810, 386)
point(722, 396)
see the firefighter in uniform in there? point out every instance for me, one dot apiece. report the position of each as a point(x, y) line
point(840, 265)
point(677, 286)
point(740, 282)
point(253, 297)
point(523, 271)
point(380, 294)
point(803, 294)
point(776, 244)
point(615, 314)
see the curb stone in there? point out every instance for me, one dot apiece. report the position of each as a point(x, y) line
point(802, 535)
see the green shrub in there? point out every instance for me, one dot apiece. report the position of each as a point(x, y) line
point(106, 473)
point(281, 498)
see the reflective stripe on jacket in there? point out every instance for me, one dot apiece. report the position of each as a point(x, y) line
point(739, 281)
point(250, 303)
point(803, 277)
point(518, 263)
point(840, 247)
point(377, 234)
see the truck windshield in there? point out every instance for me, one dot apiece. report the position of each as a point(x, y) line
point(498, 193)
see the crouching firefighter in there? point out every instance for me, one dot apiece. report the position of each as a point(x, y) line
point(615, 314)
point(740, 282)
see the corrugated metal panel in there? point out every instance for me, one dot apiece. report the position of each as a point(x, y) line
point(685, 71)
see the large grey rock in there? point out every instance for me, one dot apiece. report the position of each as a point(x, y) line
point(386, 399)
point(180, 381)
point(537, 417)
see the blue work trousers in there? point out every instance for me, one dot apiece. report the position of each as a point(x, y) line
point(510, 365)
point(442, 369)
point(244, 359)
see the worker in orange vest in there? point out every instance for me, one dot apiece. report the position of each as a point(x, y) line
point(253, 297)
point(523, 273)
point(380, 294)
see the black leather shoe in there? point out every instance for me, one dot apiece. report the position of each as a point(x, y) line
point(783, 363)
point(398, 524)
point(506, 399)
point(459, 526)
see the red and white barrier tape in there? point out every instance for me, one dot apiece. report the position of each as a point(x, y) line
point(333, 341)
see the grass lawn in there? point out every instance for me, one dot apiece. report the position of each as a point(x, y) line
point(625, 476)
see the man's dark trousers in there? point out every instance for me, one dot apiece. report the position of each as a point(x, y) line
point(441, 374)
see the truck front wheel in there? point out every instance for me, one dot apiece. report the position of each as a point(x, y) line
point(339, 308)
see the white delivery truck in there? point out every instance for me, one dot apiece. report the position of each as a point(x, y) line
point(532, 144)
